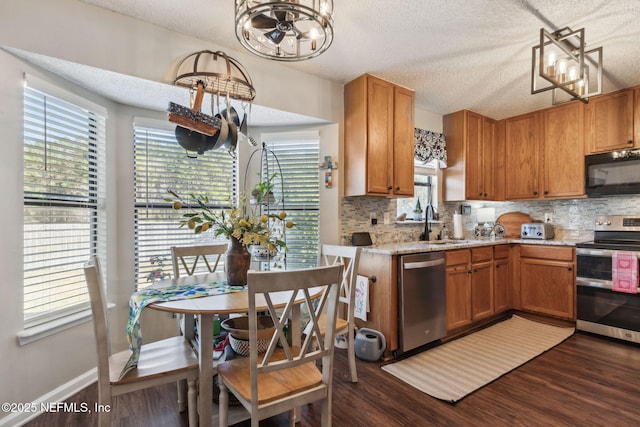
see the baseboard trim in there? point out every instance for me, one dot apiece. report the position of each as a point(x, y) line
point(60, 394)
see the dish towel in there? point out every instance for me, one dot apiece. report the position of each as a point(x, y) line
point(361, 306)
point(624, 272)
point(142, 298)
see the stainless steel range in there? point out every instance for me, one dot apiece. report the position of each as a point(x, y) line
point(600, 309)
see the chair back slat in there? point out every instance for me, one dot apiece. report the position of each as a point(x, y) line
point(349, 256)
point(188, 257)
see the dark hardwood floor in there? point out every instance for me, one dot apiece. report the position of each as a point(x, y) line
point(585, 381)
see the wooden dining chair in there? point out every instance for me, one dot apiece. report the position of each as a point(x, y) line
point(349, 256)
point(160, 362)
point(188, 258)
point(285, 377)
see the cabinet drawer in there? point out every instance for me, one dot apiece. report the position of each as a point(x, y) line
point(481, 254)
point(500, 252)
point(559, 253)
point(462, 256)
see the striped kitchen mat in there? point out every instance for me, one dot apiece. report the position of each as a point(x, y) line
point(453, 370)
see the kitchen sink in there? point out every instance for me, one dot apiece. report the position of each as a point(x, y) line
point(442, 242)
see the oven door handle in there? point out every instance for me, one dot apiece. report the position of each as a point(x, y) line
point(595, 252)
point(594, 283)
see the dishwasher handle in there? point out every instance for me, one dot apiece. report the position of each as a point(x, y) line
point(422, 264)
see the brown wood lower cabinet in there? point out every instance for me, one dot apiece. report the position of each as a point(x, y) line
point(547, 280)
point(383, 296)
point(458, 264)
point(481, 283)
point(501, 279)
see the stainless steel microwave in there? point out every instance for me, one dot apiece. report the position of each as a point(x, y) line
point(615, 172)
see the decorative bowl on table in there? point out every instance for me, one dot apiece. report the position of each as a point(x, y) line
point(238, 328)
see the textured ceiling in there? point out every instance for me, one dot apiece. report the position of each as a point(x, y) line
point(456, 54)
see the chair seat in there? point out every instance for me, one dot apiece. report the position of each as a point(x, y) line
point(157, 359)
point(272, 385)
point(342, 325)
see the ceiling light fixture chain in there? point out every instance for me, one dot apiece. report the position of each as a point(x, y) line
point(286, 30)
point(562, 62)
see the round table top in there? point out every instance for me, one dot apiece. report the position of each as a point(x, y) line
point(235, 302)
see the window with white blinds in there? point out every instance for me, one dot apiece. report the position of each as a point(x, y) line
point(63, 146)
point(162, 164)
point(297, 155)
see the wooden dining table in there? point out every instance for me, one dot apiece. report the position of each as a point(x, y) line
point(205, 309)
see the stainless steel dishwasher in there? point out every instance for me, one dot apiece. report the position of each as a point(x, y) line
point(422, 299)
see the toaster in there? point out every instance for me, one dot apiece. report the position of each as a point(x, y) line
point(536, 230)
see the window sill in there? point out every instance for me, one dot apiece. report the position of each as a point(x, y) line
point(414, 222)
point(47, 329)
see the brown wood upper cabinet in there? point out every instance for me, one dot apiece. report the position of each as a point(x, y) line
point(610, 122)
point(471, 147)
point(379, 138)
point(522, 156)
point(545, 153)
point(563, 151)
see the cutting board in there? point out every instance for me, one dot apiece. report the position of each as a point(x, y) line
point(512, 222)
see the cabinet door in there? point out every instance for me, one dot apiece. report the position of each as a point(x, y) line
point(611, 122)
point(481, 290)
point(501, 285)
point(473, 181)
point(489, 140)
point(458, 296)
point(403, 141)
point(547, 287)
point(522, 163)
point(563, 150)
point(380, 136)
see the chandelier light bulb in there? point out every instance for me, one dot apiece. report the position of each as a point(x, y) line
point(551, 65)
point(562, 70)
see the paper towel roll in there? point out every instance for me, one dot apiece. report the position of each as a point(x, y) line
point(457, 226)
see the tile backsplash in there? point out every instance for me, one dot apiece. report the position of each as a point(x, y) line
point(572, 218)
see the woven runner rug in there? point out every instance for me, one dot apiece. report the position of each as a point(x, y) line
point(453, 370)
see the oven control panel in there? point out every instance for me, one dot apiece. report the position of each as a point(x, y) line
point(536, 230)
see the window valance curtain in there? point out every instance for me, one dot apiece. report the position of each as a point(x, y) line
point(430, 147)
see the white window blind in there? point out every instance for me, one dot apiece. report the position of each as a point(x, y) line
point(63, 146)
point(296, 167)
point(162, 164)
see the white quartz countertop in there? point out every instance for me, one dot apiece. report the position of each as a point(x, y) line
point(446, 245)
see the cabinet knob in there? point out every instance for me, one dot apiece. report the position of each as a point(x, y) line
point(485, 194)
point(398, 188)
point(546, 192)
point(497, 266)
point(535, 193)
point(569, 268)
point(630, 142)
point(390, 188)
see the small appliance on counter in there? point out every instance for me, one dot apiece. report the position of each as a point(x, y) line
point(536, 230)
